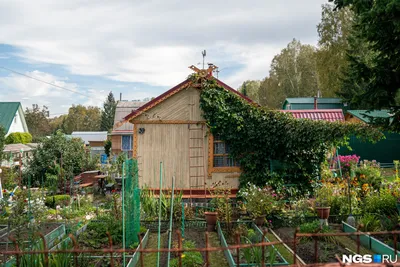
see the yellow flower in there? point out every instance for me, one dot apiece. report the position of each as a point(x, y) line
point(183, 255)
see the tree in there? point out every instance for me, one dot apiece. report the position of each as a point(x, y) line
point(269, 94)
point(37, 121)
point(333, 30)
point(377, 24)
point(58, 123)
point(107, 116)
point(107, 147)
point(250, 89)
point(54, 152)
point(81, 118)
point(19, 138)
point(293, 74)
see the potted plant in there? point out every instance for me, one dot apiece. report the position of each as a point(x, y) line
point(211, 219)
point(323, 201)
point(221, 202)
point(260, 202)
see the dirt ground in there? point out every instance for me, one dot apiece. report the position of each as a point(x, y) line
point(306, 251)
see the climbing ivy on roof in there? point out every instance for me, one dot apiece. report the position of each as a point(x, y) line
point(259, 137)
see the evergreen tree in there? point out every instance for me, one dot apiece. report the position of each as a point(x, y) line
point(107, 116)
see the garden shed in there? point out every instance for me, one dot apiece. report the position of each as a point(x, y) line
point(171, 129)
point(384, 151)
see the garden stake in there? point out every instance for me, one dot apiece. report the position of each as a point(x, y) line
point(238, 250)
point(159, 216)
point(263, 249)
point(75, 249)
point(123, 212)
point(395, 244)
point(316, 244)
point(207, 256)
point(170, 220)
point(16, 248)
point(46, 254)
point(179, 247)
point(111, 252)
point(295, 244)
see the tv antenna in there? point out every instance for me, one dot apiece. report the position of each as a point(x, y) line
point(203, 53)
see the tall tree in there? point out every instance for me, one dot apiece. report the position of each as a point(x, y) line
point(107, 116)
point(293, 74)
point(333, 30)
point(250, 89)
point(269, 94)
point(377, 24)
point(81, 118)
point(37, 121)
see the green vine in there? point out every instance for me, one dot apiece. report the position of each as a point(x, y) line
point(258, 138)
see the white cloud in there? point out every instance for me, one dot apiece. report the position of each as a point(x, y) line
point(155, 41)
point(29, 91)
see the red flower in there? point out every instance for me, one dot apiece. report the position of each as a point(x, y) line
point(25, 200)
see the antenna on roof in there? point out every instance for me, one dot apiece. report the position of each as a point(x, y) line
point(204, 53)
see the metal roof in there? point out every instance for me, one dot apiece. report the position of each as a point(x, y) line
point(15, 148)
point(363, 114)
point(124, 108)
point(318, 114)
point(310, 100)
point(7, 113)
point(90, 136)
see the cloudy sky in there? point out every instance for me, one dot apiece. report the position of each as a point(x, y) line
point(139, 48)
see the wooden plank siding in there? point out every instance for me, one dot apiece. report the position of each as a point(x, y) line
point(168, 128)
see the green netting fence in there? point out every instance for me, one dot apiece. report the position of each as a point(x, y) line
point(131, 202)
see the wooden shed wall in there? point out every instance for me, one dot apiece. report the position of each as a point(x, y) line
point(184, 106)
point(170, 128)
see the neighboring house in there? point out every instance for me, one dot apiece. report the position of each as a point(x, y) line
point(94, 140)
point(172, 130)
point(318, 114)
point(12, 117)
point(122, 135)
point(308, 103)
point(364, 116)
point(14, 152)
point(385, 151)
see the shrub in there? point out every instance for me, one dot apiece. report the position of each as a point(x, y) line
point(259, 201)
point(18, 138)
point(381, 203)
point(313, 227)
point(370, 223)
point(53, 201)
point(369, 172)
point(189, 258)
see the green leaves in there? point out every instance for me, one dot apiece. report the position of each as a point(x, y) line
point(258, 136)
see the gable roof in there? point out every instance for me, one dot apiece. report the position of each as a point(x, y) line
point(90, 136)
point(363, 114)
point(318, 114)
point(7, 113)
point(173, 91)
point(308, 102)
point(123, 109)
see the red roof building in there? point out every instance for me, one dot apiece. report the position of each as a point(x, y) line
point(318, 114)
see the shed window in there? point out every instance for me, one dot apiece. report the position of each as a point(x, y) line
point(221, 154)
point(126, 143)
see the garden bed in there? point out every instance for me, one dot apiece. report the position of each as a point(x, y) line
point(249, 234)
point(51, 231)
point(327, 248)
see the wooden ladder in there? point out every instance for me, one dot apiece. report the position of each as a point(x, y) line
point(196, 157)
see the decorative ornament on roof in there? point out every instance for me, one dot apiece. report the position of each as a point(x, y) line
point(204, 72)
